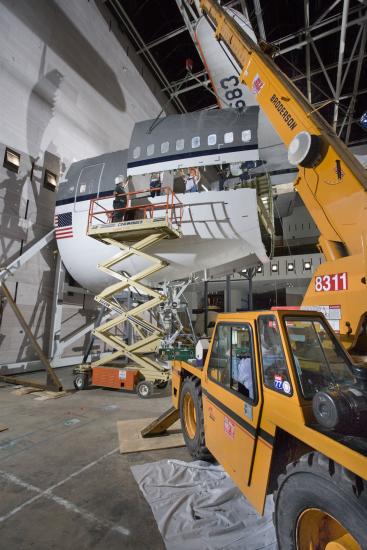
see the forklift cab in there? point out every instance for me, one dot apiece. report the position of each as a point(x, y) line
point(263, 370)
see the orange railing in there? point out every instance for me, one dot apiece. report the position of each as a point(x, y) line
point(170, 208)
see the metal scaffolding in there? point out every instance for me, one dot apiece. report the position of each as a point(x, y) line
point(316, 78)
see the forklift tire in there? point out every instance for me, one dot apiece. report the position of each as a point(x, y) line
point(81, 381)
point(192, 419)
point(161, 385)
point(319, 503)
point(144, 389)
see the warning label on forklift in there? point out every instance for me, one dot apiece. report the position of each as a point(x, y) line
point(332, 313)
point(257, 85)
point(229, 427)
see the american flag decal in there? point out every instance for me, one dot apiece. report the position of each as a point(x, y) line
point(63, 224)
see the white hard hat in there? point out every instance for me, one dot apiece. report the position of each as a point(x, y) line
point(119, 179)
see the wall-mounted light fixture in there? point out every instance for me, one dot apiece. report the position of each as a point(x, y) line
point(11, 160)
point(290, 266)
point(274, 268)
point(50, 180)
point(307, 265)
point(259, 269)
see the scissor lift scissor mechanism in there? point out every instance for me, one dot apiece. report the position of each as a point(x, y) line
point(134, 238)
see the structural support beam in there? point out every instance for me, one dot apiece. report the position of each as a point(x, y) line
point(127, 23)
point(356, 82)
point(259, 19)
point(53, 383)
point(187, 78)
point(326, 75)
point(228, 294)
point(306, 7)
point(328, 10)
point(334, 30)
point(243, 8)
point(340, 61)
point(297, 36)
point(315, 72)
point(26, 256)
point(162, 39)
point(205, 83)
point(182, 7)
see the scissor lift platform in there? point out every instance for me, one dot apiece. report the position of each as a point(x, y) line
point(132, 237)
point(135, 230)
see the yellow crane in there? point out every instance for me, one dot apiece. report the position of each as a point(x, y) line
point(330, 181)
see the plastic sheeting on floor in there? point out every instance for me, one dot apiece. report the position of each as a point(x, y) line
point(197, 507)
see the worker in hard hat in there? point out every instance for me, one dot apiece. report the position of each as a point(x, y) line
point(155, 184)
point(120, 200)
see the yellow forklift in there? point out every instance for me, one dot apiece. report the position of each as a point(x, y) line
point(280, 404)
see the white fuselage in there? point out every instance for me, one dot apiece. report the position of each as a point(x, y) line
point(220, 234)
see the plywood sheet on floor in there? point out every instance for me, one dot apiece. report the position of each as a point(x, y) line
point(131, 441)
point(25, 390)
point(46, 395)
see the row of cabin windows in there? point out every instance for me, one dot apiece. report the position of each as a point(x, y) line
point(195, 143)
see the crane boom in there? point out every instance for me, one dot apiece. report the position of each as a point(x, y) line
point(330, 181)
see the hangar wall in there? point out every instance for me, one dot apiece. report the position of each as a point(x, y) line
point(68, 91)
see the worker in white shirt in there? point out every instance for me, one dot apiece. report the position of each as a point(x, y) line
point(243, 375)
point(191, 180)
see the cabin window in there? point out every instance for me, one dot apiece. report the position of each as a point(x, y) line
point(11, 160)
point(228, 137)
point(136, 152)
point(180, 144)
point(165, 147)
point(246, 135)
point(195, 142)
point(212, 139)
point(150, 150)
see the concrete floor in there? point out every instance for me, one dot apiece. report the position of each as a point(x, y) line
point(63, 482)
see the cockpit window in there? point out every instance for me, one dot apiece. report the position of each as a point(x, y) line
point(212, 139)
point(180, 144)
point(150, 150)
point(228, 137)
point(136, 152)
point(319, 359)
point(165, 147)
point(89, 179)
point(246, 135)
point(195, 142)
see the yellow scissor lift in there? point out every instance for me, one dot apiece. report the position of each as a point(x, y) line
point(151, 223)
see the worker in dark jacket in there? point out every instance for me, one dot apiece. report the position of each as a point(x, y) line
point(120, 200)
point(155, 184)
